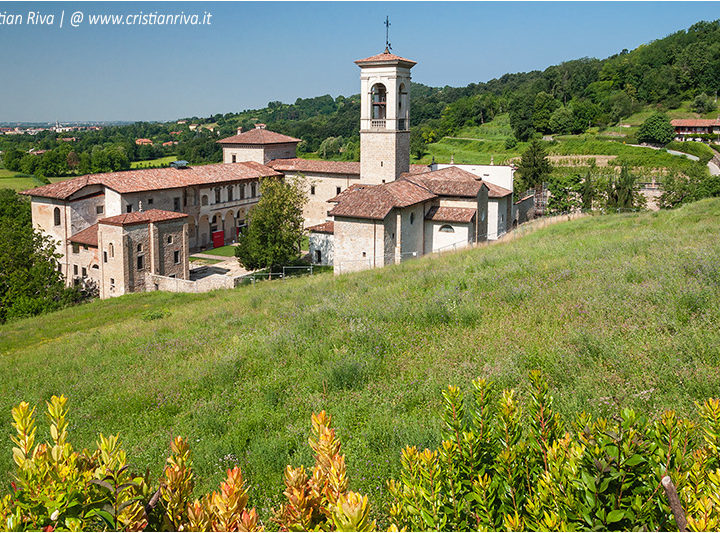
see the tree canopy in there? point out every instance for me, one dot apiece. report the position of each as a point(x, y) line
point(30, 282)
point(275, 225)
point(534, 166)
point(657, 130)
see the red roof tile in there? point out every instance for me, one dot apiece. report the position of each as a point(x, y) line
point(385, 57)
point(376, 201)
point(461, 215)
point(315, 165)
point(88, 236)
point(259, 136)
point(142, 217)
point(450, 181)
point(695, 122)
point(151, 179)
point(325, 227)
point(297, 164)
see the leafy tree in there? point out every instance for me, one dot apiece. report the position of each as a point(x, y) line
point(679, 189)
point(622, 192)
point(417, 143)
point(543, 109)
point(703, 104)
point(657, 130)
point(534, 166)
point(521, 117)
point(11, 159)
point(562, 121)
point(510, 142)
point(564, 193)
point(30, 282)
point(587, 192)
point(275, 226)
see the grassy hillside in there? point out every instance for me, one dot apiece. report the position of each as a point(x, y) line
point(621, 306)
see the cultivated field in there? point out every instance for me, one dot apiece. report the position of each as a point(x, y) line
point(613, 308)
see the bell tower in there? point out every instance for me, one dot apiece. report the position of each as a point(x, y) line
point(384, 117)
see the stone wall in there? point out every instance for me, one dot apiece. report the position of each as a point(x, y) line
point(361, 244)
point(322, 243)
point(384, 155)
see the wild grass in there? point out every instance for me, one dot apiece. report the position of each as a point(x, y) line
point(154, 163)
point(620, 307)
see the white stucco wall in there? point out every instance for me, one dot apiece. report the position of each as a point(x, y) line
point(501, 175)
point(323, 243)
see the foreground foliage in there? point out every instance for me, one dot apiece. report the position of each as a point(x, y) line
point(497, 468)
point(501, 467)
point(56, 488)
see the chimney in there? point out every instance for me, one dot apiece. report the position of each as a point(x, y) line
point(140, 207)
point(260, 126)
point(239, 130)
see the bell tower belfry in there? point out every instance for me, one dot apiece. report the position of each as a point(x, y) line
point(384, 117)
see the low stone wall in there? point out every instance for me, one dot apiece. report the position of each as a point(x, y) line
point(155, 282)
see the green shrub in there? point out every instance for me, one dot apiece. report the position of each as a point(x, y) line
point(504, 467)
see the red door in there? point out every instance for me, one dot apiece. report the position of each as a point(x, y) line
point(218, 238)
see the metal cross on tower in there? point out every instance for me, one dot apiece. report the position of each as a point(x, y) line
point(387, 35)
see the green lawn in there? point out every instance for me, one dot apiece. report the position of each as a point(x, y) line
point(620, 306)
point(197, 261)
point(154, 163)
point(224, 251)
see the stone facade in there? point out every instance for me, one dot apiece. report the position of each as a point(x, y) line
point(263, 154)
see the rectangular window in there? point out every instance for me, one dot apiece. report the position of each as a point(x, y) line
point(234, 158)
point(150, 201)
point(312, 189)
point(242, 191)
point(230, 193)
point(140, 262)
point(169, 239)
point(177, 257)
point(84, 272)
point(176, 204)
point(217, 195)
point(128, 209)
point(76, 248)
point(75, 270)
point(100, 209)
point(338, 190)
point(104, 256)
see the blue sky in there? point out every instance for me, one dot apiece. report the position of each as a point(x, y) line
point(253, 53)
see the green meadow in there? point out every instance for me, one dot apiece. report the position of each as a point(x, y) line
point(615, 309)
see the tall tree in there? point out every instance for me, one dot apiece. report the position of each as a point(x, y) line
point(534, 166)
point(275, 226)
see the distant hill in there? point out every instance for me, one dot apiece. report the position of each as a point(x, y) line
point(598, 304)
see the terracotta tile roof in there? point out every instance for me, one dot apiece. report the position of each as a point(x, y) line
point(385, 57)
point(88, 236)
point(151, 179)
point(450, 181)
point(495, 191)
point(461, 215)
point(142, 217)
point(695, 122)
point(259, 136)
point(297, 164)
point(346, 192)
point(315, 165)
point(325, 227)
point(376, 201)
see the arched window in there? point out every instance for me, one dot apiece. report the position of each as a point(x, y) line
point(447, 228)
point(56, 215)
point(402, 108)
point(378, 99)
point(214, 223)
point(112, 250)
point(230, 193)
point(204, 199)
point(242, 191)
point(217, 195)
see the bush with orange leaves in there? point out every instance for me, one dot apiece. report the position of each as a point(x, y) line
point(56, 488)
point(321, 501)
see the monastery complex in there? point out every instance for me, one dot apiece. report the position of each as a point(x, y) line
point(135, 230)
